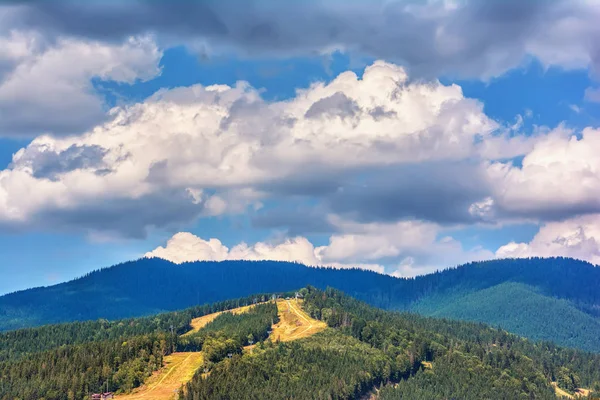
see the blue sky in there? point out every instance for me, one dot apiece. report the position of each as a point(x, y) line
point(76, 200)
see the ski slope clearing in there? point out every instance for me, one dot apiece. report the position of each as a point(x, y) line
point(294, 323)
point(179, 369)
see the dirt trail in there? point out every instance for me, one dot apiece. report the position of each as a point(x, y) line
point(581, 392)
point(179, 367)
point(293, 324)
point(163, 384)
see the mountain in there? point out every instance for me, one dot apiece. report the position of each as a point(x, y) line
point(326, 345)
point(553, 299)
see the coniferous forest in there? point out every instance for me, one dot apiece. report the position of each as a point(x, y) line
point(397, 356)
point(70, 361)
point(553, 299)
point(365, 351)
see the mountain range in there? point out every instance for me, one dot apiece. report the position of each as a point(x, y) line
point(305, 345)
point(553, 299)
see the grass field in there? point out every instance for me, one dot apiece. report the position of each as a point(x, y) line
point(561, 393)
point(294, 323)
point(579, 394)
point(179, 368)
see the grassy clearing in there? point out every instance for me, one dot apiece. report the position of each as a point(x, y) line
point(427, 364)
point(294, 323)
point(561, 393)
point(179, 369)
point(583, 392)
point(578, 394)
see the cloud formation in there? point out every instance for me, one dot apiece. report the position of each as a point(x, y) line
point(46, 86)
point(558, 179)
point(473, 38)
point(367, 246)
point(398, 158)
point(217, 149)
point(186, 247)
point(577, 238)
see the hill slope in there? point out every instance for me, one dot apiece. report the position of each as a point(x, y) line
point(520, 309)
point(353, 351)
point(555, 299)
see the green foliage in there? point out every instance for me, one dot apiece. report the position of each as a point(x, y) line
point(365, 350)
point(115, 357)
point(238, 328)
point(329, 365)
point(520, 309)
point(14, 344)
point(147, 286)
point(472, 353)
point(84, 368)
point(459, 376)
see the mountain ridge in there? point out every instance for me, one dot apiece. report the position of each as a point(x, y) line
point(149, 286)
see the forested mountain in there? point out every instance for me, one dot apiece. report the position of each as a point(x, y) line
point(362, 352)
point(551, 299)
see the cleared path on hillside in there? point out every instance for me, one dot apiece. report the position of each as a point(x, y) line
point(163, 384)
point(294, 323)
point(179, 368)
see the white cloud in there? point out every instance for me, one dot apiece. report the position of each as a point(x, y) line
point(46, 87)
point(412, 245)
point(560, 177)
point(374, 241)
point(577, 238)
point(224, 142)
point(186, 247)
point(470, 39)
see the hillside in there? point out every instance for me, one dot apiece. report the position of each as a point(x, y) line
point(554, 299)
point(521, 309)
point(326, 346)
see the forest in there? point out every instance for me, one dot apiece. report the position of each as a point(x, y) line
point(552, 299)
point(70, 361)
point(365, 351)
point(369, 351)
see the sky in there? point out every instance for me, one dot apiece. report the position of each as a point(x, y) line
point(400, 136)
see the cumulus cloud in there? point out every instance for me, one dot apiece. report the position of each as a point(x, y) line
point(186, 247)
point(475, 38)
point(46, 86)
point(559, 178)
point(219, 149)
point(577, 238)
point(408, 248)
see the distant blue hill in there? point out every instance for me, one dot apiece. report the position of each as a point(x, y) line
point(555, 299)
